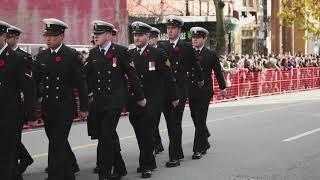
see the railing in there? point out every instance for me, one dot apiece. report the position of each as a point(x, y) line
point(245, 84)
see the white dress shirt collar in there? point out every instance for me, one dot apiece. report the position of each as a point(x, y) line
point(175, 42)
point(106, 49)
point(198, 48)
point(56, 50)
point(3, 48)
point(142, 49)
point(15, 48)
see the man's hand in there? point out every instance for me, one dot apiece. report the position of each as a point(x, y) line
point(142, 103)
point(223, 92)
point(90, 99)
point(175, 103)
point(83, 115)
point(200, 83)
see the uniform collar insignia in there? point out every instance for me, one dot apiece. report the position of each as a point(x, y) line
point(29, 75)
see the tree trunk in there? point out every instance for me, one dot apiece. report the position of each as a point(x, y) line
point(220, 28)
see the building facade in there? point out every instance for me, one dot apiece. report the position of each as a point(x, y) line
point(27, 14)
point(251, 37)
point(193, 12)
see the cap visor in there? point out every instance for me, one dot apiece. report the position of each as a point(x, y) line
point(52, 33)
point(98, 32)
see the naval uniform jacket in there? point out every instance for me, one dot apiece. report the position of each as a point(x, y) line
point(16, 76)
point(154, 70)
point(182, 59)
point(209, 62)
point(57, 76)
point(107, 78)
point(29, 65)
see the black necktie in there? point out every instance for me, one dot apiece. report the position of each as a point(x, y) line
point(102, 51)
point(139, 52)
point(198, 52)
point(172, 45)
point(53, 53)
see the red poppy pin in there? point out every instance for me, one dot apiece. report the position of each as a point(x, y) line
point(58, 58)
point(176, 49)
point(199, 58)
point(2, 63)
point(109, 56)
point(145, 54)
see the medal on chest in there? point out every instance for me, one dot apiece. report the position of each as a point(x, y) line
point(114, 62)
point(152, 65)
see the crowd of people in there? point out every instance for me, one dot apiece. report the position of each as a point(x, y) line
point(257, 74)
point(258, 62)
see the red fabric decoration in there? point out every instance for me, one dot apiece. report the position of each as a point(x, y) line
point(58, 58)
point(109, 56)
point(145, 54)
point(176, 49)
point(199, 58)
point(2, 63)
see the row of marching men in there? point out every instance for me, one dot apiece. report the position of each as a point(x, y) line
point(151, 79)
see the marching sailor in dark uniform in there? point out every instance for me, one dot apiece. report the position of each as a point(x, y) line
point(154, 37)
point(114, 32)
point(58, 72)
point(199, 97)
point(153, 41)
point(107, 70)
point(24, 159)
point(119, 167)
point(16, 77)
point(154, 70)
point(181, 56)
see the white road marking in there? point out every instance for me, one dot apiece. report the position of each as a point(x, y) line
point(302, 135)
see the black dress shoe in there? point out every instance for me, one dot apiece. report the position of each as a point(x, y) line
point(118, 175)
point(146, 174)
point(158, 149)
point(204, 152)
point(139, 170)
point(75, 169)
point(181, 157)
point(123, 173)
point(197, 155)
point(173, 163)
point(18, 177)
point(104, 177)
point(22, 167)
point(96, 170)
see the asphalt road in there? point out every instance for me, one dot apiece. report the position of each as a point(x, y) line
point(265, 138)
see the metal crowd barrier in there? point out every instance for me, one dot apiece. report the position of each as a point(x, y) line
point(246, 84)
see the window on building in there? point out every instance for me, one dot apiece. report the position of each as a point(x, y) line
point(248, 3)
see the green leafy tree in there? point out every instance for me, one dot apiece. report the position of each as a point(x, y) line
point(303, 14)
